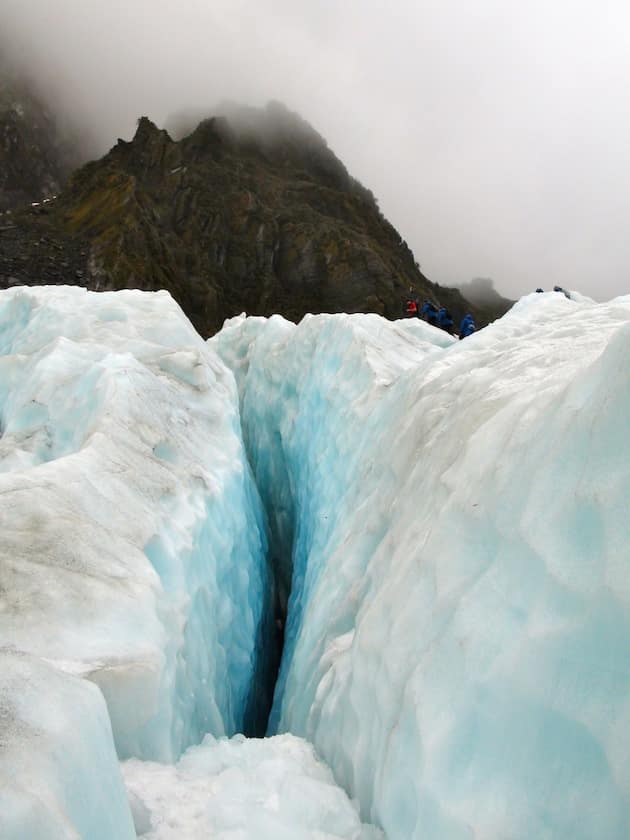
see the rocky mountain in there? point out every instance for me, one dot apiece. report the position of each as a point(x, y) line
point(37, 155)
point(249, 212)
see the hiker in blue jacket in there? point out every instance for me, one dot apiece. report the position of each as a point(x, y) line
point(467, 326)
point(429, 313)
point(444, 319)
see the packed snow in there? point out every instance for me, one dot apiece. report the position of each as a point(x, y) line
point(447, 525)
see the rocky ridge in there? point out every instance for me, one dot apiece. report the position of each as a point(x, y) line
point(250, 212)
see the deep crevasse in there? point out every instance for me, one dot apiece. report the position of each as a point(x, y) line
point(133, 556)
point(306, 396)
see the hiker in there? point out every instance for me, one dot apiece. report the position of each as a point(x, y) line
point(429, 313)
point(444, 320)
point(564, 292)
point(411, 308)
point(467, 326)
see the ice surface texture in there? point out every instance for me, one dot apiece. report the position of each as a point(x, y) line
point(59, 775)
point(456, 523)
point(132, 539)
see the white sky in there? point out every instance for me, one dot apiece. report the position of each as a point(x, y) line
point(495, 133)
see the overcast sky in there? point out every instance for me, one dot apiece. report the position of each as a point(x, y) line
point(495, 133)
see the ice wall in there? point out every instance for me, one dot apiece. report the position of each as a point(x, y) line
point(455, 523)
point(131, 534)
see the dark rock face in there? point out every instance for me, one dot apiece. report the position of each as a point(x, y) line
point(34, 251)
point(247, 213)
point(35, 160)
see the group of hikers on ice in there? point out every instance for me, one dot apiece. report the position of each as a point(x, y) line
point(438, 316)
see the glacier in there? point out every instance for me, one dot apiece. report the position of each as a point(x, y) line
point(443, 525)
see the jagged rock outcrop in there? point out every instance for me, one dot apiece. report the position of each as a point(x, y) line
point(250, 212)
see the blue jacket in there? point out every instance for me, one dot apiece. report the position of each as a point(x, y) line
point(429, 312)
point(467, 326)
point(444, 319)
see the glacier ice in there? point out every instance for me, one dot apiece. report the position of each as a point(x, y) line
point(132, 535)
point(54, 731)
point(454, 522)
point(133, 560)
point(448, 524)
point(271, 789)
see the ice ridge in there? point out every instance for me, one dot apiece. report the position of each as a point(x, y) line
point(453, 521)
point(130, 521)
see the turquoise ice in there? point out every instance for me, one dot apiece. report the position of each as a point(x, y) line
point(133, 539)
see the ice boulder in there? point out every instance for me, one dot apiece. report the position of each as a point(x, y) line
point(452, 525)
point(132, 540)
point(59, 775)
point(251, 789)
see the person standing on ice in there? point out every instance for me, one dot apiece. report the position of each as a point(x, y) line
point(444, 320)
point(411, 308)
point(467, 326)
point(429, 313)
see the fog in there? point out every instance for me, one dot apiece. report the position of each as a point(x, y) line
point(481, 291)
point(494, 133)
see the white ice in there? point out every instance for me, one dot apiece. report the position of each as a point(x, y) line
point(59, 775)
point(455, 521)
point(237, 789)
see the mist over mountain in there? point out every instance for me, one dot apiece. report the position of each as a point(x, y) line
point(39, 148)
point(481, 292)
